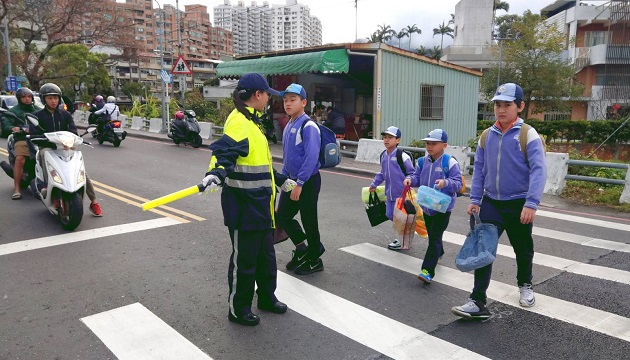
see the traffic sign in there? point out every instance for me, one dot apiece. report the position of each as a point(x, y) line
point(181, 67)
point(11, 83)
point(166, 77)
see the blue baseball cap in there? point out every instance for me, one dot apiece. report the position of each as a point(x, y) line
point(508, 92)
point(295, 89)
point(254, 81)
point(393, 131)
point(437, 135)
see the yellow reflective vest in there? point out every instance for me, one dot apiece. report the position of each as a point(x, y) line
point(241, 158)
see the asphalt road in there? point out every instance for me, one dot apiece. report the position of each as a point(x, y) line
point(366, 304)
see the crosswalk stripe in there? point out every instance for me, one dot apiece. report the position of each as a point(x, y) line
point(572, 313)
point(582, 240)
point(367, 327)
point(133, 332)
point(554, 262)
point(583, 220)
point(26, 245)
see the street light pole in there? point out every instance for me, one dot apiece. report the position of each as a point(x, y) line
point(164, 112)
point(179, 53)
point(500, 40)
point(5, 36)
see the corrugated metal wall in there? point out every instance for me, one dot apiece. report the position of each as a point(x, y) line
point(402, 78)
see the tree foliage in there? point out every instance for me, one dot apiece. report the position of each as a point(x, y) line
point(38, 26)
point(410, 30)
point(382, 34)
point(70, 65)
point(442, 30)
point(534, 61)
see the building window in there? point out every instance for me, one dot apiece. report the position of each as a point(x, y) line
point(592, 38)
point(431, 102)
point(558, 115)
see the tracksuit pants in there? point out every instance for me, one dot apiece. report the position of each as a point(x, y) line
point(436, 225)
point(253, 261)
point(307, 206)
point(506, 215)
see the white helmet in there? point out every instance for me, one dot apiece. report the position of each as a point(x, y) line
point(111, 99)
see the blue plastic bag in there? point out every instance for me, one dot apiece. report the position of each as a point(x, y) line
point(480, 247)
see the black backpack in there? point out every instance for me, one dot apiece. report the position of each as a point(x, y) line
point(399, 159)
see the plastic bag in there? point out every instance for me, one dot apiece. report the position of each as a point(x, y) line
point(376, 210)
point(405, 218)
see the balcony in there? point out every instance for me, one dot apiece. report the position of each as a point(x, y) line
point(599, 55)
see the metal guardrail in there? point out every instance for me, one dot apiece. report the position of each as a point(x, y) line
point(353, 154)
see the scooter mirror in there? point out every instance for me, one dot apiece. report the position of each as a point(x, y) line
point(90, 129)
point(33, 119)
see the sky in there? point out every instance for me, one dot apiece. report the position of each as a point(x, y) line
point(338, 16)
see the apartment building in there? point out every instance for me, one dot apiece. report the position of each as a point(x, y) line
point(261, 28)
point(598, 47)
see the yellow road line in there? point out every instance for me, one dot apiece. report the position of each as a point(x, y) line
point(4, 152)
point(102, 191)
point(136, 197)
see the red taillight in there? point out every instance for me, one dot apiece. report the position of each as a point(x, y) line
point(65, 107)
point(116, 124)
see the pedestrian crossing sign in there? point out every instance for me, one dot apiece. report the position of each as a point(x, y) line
point(181, 67)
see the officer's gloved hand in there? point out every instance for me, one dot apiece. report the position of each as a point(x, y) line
point(288, 185)
point(211, 183)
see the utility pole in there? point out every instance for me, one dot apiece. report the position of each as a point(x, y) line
point(5, 35)
point(164, 111)
point(500, 40)
point(182, 84)
point(356, 19)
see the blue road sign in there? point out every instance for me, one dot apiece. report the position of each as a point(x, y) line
point(166, 77)
point(11, 83)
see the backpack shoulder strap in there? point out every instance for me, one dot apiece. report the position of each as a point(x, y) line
point(420, 162)
point(446, 158)
point(399, 159)
point(382, 154)
point(522, 138)
point(482, 139)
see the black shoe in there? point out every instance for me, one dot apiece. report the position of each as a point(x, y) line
point(277, 308)
point(298, 258)
point(310, 267)
point(250, 319)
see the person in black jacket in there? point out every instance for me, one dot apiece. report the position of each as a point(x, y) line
point(51, 119)
point(336, 122)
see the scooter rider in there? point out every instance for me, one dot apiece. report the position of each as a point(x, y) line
point(97, 104)
point(12, 124)
point(51, 119)
point(111, 112)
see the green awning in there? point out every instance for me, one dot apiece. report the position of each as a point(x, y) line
point(330, 61)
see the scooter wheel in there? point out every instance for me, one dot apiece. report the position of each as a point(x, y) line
point(100, 141)
point(71, 213)
point(116, 143)
point(195, 141)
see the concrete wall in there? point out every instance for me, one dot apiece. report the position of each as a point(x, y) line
point(473, 22)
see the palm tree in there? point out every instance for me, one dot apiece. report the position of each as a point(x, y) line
point(385, 32)
point(443, 30)
point(452, 21)
point(436, 52)
point(498, 5)
point(399, 35)
point(412, 29)
point(424, 51)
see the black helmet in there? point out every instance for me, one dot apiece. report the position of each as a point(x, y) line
point(21, 92)
point(49, 89)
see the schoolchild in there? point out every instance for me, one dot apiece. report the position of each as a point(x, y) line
point(392, 173)
point(506, 188)
point(301, 141)
point(432, 174)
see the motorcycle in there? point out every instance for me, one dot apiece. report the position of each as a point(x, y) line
point(64, 192)
point(186, 131)
point(112, 132)
point(29, 166)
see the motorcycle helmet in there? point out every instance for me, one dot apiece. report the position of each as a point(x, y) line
point(98, 98)
point(111, 99)
point(49, 89)
point(179, 115)
point(23, 91)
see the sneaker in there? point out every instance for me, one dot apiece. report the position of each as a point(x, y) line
point(309, 267)
point(298, 258)
point(527, 295)
point(425, 276)
point(95, 209)
point(394, 245)
point(472, 310)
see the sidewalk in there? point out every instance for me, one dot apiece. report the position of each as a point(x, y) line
point(349, 165)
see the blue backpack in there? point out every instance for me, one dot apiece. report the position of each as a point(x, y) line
point(329, 155)
point(445, 160)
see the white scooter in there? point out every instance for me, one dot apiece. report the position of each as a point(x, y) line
point(66, 174)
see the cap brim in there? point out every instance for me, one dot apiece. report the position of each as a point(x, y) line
point(282, 93)
point(274, 92)
point(388, 133)
point(503, 98)
point(431, 139)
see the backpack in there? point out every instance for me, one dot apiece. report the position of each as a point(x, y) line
point(446, 158)
point(399, 159)
point(329, 155)
point(522, 138)
point(107, 115)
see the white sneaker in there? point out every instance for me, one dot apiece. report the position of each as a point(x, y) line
point(394, 245)
point(527, 295)
point(472, 310)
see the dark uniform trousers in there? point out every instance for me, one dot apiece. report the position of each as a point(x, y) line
point(253, 261)
point(307, 206)
point(506, 215)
